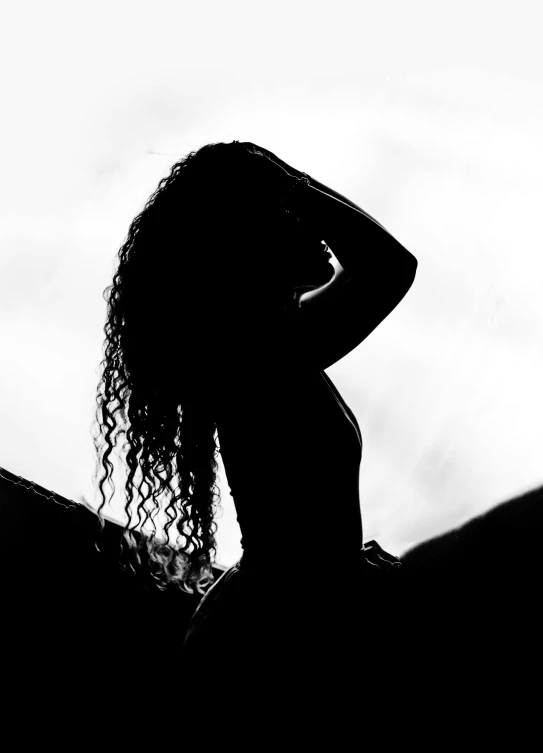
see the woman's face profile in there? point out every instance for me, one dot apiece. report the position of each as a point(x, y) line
point(308, 260)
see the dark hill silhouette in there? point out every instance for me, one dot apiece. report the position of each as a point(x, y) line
point(459, 638)
point(471, 620)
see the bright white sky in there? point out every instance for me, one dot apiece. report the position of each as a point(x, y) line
point(428, 116)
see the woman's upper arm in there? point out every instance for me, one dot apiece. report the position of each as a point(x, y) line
point(333, 320)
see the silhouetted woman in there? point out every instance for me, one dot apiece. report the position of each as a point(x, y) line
point(223, 315)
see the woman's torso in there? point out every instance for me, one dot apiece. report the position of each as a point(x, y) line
point(291, 450)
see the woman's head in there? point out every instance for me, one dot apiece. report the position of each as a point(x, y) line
point(250, 243)
point(210, 237)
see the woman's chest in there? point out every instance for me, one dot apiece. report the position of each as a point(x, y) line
point(289, 413)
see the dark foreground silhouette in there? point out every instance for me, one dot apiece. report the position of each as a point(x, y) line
point(457, 643)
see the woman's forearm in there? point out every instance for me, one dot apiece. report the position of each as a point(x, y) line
point(360, 243)
point(326, 189)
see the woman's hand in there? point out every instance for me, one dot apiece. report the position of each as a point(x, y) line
point(275, 173)
point(255, 149)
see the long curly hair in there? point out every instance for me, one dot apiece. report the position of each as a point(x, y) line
point(177, 306)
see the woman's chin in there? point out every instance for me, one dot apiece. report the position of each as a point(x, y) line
point(324, 274)
point(331, 270)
